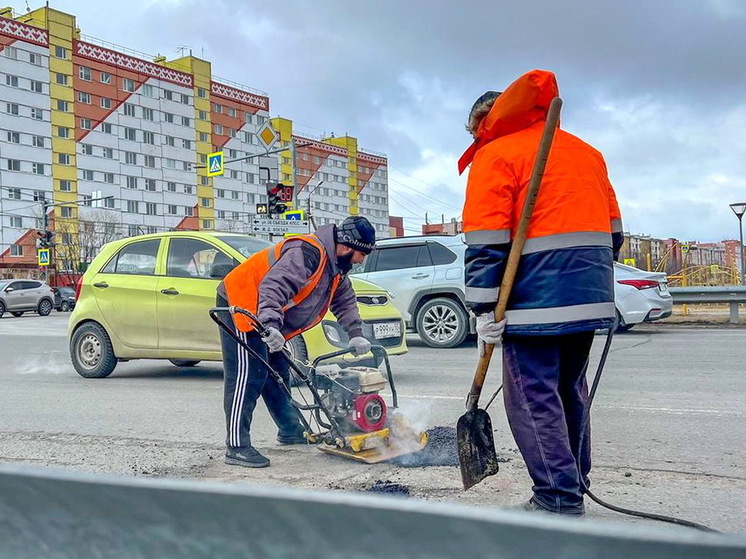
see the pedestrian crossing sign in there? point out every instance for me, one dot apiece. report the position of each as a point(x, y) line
point(215, 164)
point(42, 256)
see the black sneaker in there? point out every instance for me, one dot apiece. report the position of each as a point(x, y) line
point(533, 506)
point(295, 438)
point(246, 456)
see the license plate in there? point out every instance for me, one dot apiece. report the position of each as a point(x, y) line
point(387, 330)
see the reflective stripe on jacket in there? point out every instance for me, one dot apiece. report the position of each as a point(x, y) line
point(564, 282)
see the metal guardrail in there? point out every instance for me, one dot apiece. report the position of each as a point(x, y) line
point(62, 514)
point(731, 294)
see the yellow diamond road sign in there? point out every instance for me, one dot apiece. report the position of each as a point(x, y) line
point(266, 135)
point(215, 164)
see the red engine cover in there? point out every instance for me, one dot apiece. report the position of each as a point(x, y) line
point(370, 412)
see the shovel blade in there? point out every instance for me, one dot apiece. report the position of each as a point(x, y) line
point(476, 447)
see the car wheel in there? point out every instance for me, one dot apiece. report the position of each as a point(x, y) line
point(621, 325)
point(442, 323)
point(45, 307)
point(64, 306)
point(17, 313)
point(2, 309)
point(91, 351)
point(299, 353)
point(184, 362)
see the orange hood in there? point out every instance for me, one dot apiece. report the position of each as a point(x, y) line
point(525, 102)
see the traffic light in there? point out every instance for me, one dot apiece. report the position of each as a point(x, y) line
point(277, 193)
point(45, 239)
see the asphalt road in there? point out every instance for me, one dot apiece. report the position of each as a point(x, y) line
point(668, 422)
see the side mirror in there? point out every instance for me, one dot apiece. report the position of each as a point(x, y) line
point(219, 271)
point(9, 289)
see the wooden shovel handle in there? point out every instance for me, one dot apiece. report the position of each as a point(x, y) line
point(537, 173)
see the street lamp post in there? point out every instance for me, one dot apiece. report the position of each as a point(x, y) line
point(739, 209)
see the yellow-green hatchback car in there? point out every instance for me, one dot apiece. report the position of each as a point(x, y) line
point(147, 297)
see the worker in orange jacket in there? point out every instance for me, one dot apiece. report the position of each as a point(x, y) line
point(563, 290)
point(290, 287)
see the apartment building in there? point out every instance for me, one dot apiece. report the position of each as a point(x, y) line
point(99, 142)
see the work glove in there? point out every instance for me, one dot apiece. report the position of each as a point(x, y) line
point(489, 331)
point(359, 345)
point(274, 339)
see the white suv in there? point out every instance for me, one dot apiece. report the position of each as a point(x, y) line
point(426, 277)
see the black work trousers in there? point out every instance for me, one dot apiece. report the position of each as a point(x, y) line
point(545, 393)
point(245, 378)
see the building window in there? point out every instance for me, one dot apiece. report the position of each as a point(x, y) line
point(147, 113)
point(129, 109)
point(128, 85)
point(35, 86)
point(188, 189)
point(14, 165)
point(186, 121)
point(11, 108)
point(16, 221)
point(150, 208)
point(63, 158)
point(38, 168)
point(202, 115)
point(204, 181)
point(106, 128)
point(185, 99)
point(148, 90)
point(188, 211)
point(130, 134)
point(63, 106)
point(60, 52)
point(87, 174)
point(149, 161)
point(11, 52)
point(204, 137)
point(84, 97)
point(105, 77)
point(85, 73)
point(34, 59)
point(63, 132)
point(38, 114)
point(66, 211)
point(14, 193)
point(170, 141)
point(108, 153)
point(217, 108)
point(131, 182)
point(130, 158)
point(218, 129)
point(61, 79)
point(219, 193)
point(186, 144)
point(221, 214)
point(65, 185)
point(234, 174)
point(105, 103)
point(206, 223)
point(86, 149)
point(205, 202)
point(109, 177)
point(249, 118)
point(14, 137)
point(168, 94)
point(150, 184)
point(170, 163)
point(201, 93)
point(85, 124)
point(133, 206)
point(148, 137)
point(16, 250)
point(171, 209)
point(168, 117)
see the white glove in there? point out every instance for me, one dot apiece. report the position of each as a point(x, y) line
point(274, 339)
point(359, 345)
point(489, 331)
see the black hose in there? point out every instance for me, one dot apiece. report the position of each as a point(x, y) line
point(586, 419)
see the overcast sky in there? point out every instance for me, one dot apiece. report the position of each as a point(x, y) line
point(657, 85)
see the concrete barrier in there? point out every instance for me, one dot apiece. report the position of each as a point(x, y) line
point(58, 514)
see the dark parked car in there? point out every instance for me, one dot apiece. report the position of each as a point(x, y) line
point(64, 298)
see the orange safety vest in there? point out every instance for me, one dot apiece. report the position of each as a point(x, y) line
point(242, 283)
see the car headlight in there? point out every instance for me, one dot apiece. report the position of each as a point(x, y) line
point(332, 334)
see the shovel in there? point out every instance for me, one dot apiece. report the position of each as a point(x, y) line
point(476, 443)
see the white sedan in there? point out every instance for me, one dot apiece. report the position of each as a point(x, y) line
point(640, 296)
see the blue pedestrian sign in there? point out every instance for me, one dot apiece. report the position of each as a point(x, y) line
point(295, 215)
point(42, 256)
point(215, 163)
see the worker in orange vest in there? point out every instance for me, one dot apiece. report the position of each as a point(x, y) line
point(290, 287)
point(563, 290)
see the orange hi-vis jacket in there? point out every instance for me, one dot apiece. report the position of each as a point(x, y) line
point(289, 296)
point(564, 282)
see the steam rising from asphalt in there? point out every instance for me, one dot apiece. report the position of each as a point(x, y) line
point(46, 365)
point(441, 448)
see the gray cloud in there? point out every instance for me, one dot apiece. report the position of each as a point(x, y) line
point(656, 86)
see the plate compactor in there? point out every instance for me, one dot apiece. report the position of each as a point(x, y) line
point(351, 417)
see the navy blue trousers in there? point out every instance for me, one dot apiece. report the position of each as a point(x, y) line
point(545, 392)
point(245, 379)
